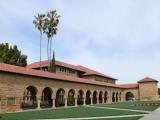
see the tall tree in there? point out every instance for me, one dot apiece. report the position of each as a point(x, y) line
point(52, 66)
point(11, 55)
point(39, 25)
point(51, 23)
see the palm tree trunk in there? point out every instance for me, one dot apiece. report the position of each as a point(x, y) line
point(48, 51)
point(40, 50)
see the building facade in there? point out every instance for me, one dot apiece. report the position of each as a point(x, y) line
point(29, 87)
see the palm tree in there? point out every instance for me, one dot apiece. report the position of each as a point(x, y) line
point(39, 24)
point(51, 23)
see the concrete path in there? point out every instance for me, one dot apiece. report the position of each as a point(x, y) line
point(143, 111)
point(92, 118)
point(155, 115)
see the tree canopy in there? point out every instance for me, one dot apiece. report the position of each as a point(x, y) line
point(11, 55)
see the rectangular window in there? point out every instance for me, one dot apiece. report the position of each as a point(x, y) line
point(11, 101)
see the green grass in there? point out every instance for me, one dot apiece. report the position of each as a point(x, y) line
point(79, 112)
point(133, 105)
point(65, 113)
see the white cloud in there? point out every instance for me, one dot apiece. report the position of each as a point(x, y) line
point(119, 38)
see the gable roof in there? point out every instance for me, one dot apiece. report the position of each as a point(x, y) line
point(58, 63)
point(129, 86)
point(85, 70)
point(89, 72)
point(147, 79)
point(52, 76)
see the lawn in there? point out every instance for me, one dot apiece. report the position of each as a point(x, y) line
point(79, 112)
point(133, 105)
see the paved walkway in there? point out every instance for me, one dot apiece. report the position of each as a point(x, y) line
point(143, 111)
point(92, 118)
point(155, 115)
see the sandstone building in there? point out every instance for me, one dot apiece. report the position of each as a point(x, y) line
point(29, 87)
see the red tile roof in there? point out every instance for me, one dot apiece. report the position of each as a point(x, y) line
point(58, 63)
point(129, 86)
point(55, 76)
point(147, 79)
point(89, 72)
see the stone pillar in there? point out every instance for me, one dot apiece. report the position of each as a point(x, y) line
point(91, 101)
point(102, 100)
point(97, 100)
point(84, 101)
point(38, 103)
point(75, 102)
point(65, 102)
point(53, 103)
point(110, 97)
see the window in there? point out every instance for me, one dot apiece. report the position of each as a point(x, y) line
point(11, 101)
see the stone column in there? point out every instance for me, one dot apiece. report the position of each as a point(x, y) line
point(91, 101)
point(38, 103)
point(84, 101)
point(75, 102)
point(102, 100)
point(53, 103)
point(109, 97)
point(65, 102)
point(97, 100)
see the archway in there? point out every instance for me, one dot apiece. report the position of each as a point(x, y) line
point(95, 97)
point(88, 97)
point(29, 98)
point(60, 101)
point(116, 97)
point(113, 97)
point(80, 97)
point(105, 97)
point(129, 96)
point(100, 97)
point(70, 99)
point(46, 98)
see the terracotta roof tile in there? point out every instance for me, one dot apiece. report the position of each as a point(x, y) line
point(129, 86)
point(147, 79)
point(58, 63)
point(38, 73)
point(89, 72)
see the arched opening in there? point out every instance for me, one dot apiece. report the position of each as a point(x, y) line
point(113, 97)
point(117, 97)
point(105, 97)
point(80, 97)
point(100, 97)
point(60, 101)
point(29, 98)
point(46, 98)
point(95, 97)
point(88, 97)
point(129, 96)
point(70, 99)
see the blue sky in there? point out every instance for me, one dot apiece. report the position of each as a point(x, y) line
point(120, 38)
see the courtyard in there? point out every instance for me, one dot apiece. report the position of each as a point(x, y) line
point(120, 111)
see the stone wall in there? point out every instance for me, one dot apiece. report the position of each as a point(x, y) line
point(148, 91)
point(14, 85)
